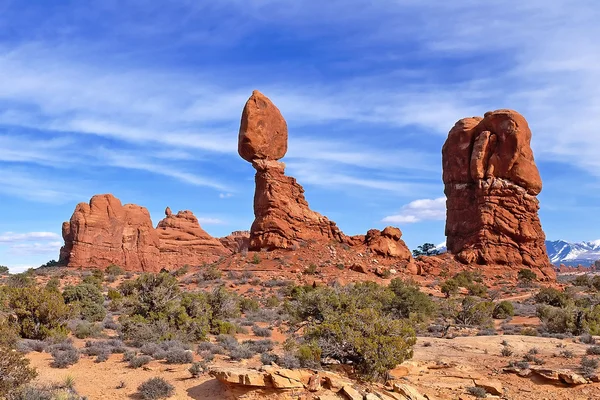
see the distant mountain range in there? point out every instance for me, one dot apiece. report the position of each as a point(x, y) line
point(572, 254)
point(563, 252)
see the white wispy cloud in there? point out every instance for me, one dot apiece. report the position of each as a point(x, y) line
point(420, 210)
point(50, 249)
point(11, 237)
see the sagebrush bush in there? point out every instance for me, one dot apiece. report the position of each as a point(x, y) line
point(64, 355)
point(589, 366)
point(179, 356)
point(197, 369)
point(477, 392)
point(262, 332)
point(156, 388)
point(139, 361)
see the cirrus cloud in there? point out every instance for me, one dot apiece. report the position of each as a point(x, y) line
point(420, 210)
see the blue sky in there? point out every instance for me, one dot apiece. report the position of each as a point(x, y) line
point(142, 99)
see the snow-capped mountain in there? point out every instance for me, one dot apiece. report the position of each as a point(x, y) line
point(563, 252)
point(568, 253)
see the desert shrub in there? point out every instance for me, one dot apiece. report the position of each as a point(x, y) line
point(139, 361)
point(156, 388)
point(8, 334)
point(593, 350)
point(212, 273)
point(409, 301)
point(197, 369)
point(15, 371)
point(373, 343)
point(260, 346)
point(566, 354)
point(587, 339)
point(114, 295)
point(272, 302)
point(21, 280)
point(179, 356)
point(83, 293)
point(64, 355)
point(506, 351)
point(247, 304)
point(256, 259)
point(477, 289)
point(224, 304)
point(241, 352)
point(38, 313)
point(129, 355)
point(595, 282)
point(288, 360)
point(581, 280)
point(223, 328)
point(181, 271)
point(268, 358)
point(552, 297)
point(560, 320)
point(3, 270)
point(210, 348)
point(504, 309)
point(477, 392)
point(29, 345)
point(53, 284)
point(86, 329)
point(88, 299)
point(526, 275)
point(474, 312)
point(449, 287)
point(155, 294)
point(466, 278)
point(309, 355)
point(227, 341)
point(114, 270)
point(588, 366)
point(263, 332)
point(311, 269)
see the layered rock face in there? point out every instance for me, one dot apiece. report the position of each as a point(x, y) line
point(182, 241)
point(106, 232)
point(283, 218)
point(491, 183)
point(237, 241)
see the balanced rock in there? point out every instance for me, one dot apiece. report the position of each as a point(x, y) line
point(183, 241)
point(105, 232)
point(491, 183)
point(283, 218)
point(263, 131)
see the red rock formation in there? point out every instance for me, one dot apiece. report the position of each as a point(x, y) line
point(184, 242)
point(283, 219)
point(263, 131)
point(237, 241)
point(388, 243)
point(491, 182)
point(106, 232)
